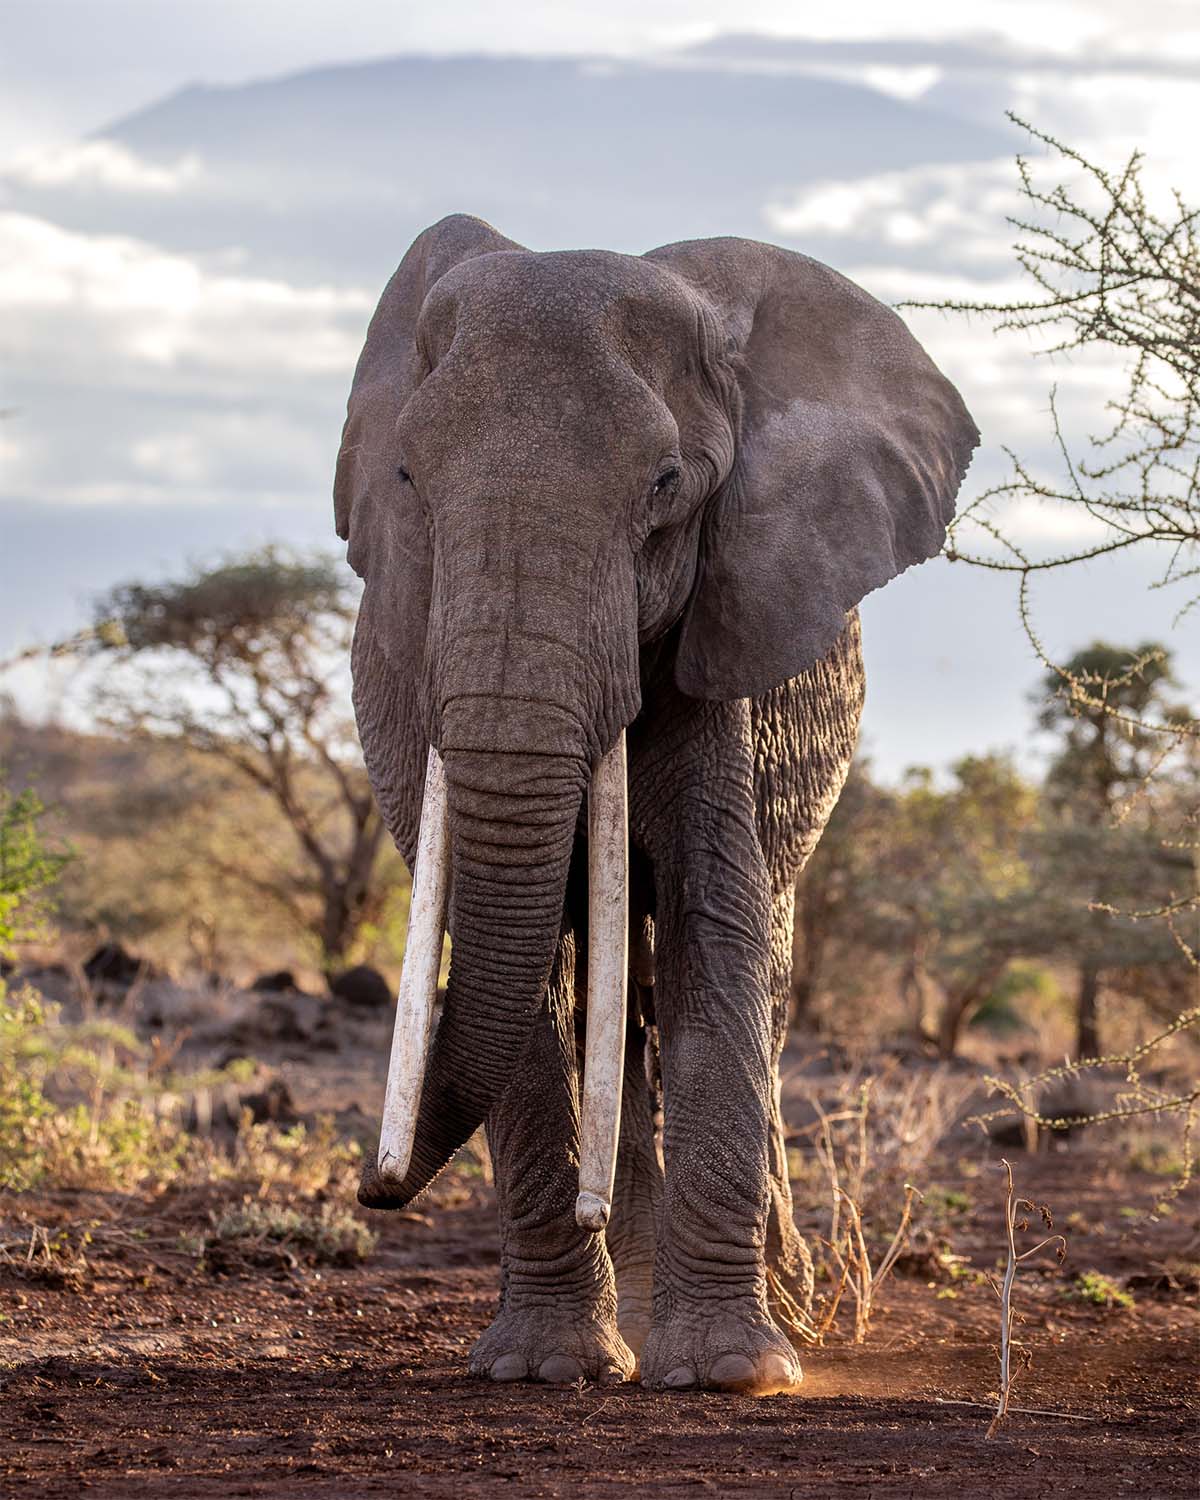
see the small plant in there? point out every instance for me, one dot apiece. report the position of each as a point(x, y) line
point(950, 1201)
point(28, 869)
point(75, 1103)
point(1015, 1221)
point(1091, 1286)
point(300, 1159)
point(327, 1235)
point(54, 1258)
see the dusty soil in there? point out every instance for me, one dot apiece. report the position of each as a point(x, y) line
point(155, 1378)
point(155, 1373)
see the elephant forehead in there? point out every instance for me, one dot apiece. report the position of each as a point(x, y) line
point(537, 408)
point(576, 298)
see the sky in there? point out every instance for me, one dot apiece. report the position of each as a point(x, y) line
point(185, 278)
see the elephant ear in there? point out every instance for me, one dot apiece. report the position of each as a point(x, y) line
point(851, 446)
point(388, 542)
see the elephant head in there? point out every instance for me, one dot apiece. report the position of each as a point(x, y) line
point(551, 460)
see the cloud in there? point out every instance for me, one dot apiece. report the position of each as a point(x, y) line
point(120, 309)
point(144, 376)
point(954, 210)
point(102, 166)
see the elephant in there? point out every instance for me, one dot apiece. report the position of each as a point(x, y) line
point(607, 502)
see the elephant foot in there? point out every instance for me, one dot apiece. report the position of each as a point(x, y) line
point(550, 1345)
point(719, 1348)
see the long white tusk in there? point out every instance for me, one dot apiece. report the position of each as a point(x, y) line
point(418, 980)
point(608, 968)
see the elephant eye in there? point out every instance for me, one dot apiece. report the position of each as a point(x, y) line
point(403, 475)
point(665, 480)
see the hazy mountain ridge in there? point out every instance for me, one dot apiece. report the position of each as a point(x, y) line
point(330, 172)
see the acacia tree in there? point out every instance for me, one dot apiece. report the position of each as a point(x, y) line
point(829, 889)
point(936, 884)
point(954, 893)
point(245, 662)
point(1111, 272)
point(1102, 836)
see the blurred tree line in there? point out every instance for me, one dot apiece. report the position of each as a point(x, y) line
point(963, 900)
point(223, 820)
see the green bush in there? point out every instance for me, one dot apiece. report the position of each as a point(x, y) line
point(1091, 1286)
point(327, 1234)
point(103, 1138)
point(28, 869)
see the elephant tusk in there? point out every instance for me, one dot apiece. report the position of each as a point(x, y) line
point(418, 980)
point(608, 968)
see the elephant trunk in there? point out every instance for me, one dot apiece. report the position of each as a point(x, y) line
point(511, 821)
point(529, 681)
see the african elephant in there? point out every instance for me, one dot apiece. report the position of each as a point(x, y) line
point(599, 501)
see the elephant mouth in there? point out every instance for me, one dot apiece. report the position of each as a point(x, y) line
point(608, 928)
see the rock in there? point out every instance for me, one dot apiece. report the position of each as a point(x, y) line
point(363, 988)
point(278, 982)
point(221, 1107)
point(114, 965)
point(1071, 1100)
point(296, 1020)
point(272, 1102)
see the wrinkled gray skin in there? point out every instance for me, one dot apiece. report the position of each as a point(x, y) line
point(587, 492)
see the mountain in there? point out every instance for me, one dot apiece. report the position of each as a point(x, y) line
point(329, 174)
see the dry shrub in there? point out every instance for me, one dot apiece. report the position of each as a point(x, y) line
point(254, 1233)
point(1016, 1220)
point(871, 1136)
point(883, 1129)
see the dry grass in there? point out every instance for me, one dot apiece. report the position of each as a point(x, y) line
point(872, 1134)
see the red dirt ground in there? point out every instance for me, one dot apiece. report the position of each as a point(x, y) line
point(154, 1378)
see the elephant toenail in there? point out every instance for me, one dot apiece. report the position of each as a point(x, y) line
point(778, 1374)
point(680, 1379)
point(560, 1369)
point(510, 1367)
point(732, 1369)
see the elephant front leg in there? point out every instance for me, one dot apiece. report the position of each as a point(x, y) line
point(557, 1320)
point(712, 1323)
